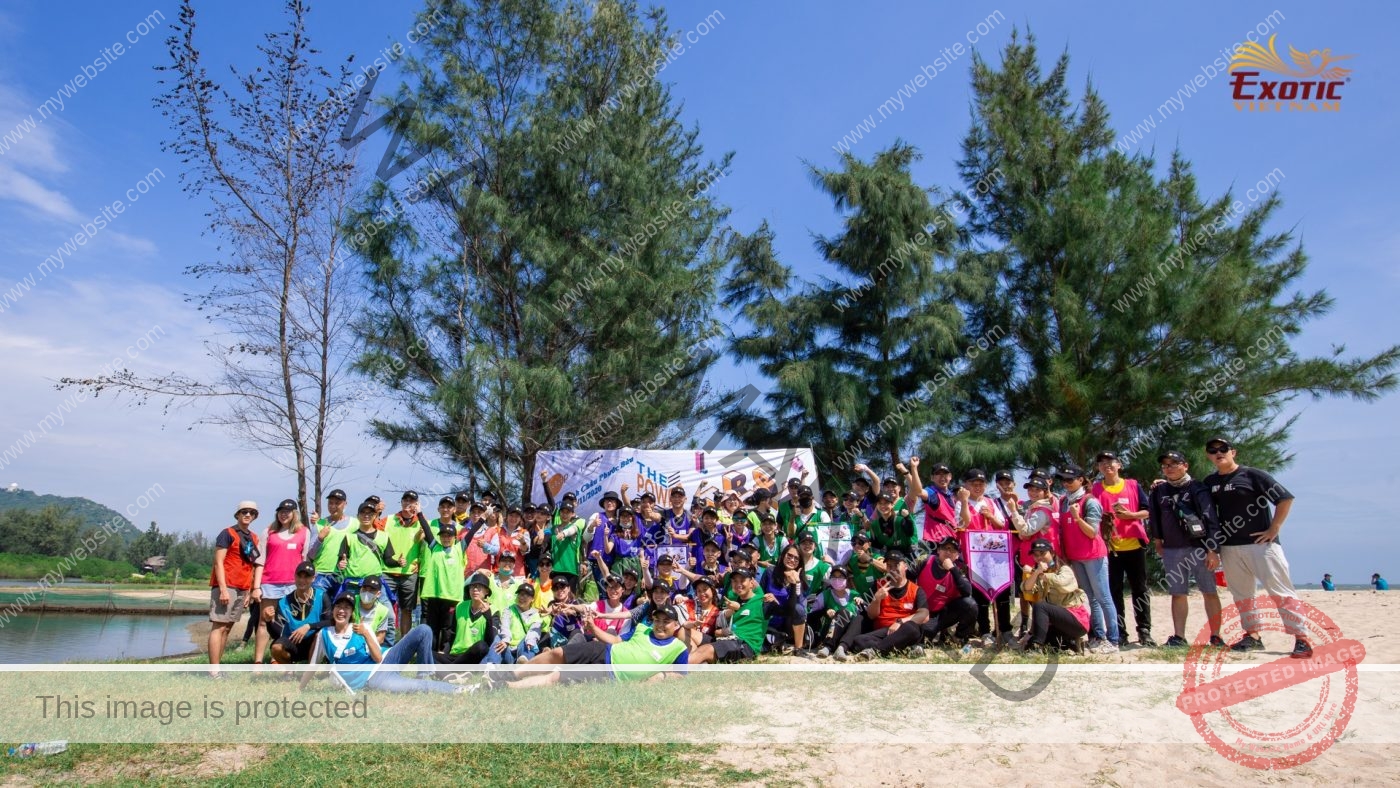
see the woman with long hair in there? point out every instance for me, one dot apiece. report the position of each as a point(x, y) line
point(785, 597)
point(285, 547)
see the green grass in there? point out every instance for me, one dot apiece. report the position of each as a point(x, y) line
point(17, 566)
point(359, 764)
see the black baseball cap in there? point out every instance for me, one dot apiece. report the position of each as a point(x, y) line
point(447, 527)
point(711, 543)
point(805, 489)
point(677, 490)
point(372, 582)
point(1004, 476)
point(464, 497)
point(849, 496)
point(479, 579)
point(669, 611)
point(894, 556)
point(941, 467)
point(647, 496)
point(1175, 456)
point(806, 537)
point(336, 495)
point(889, 480)
point(839, 569)
point(740, 573)
point(860, 480)
point(828, 491)
point(562, 579)
point(367, 505)
point(949, 541)
point(1219, 441)
point(1037, 482)
point(505, 557)
point(570, 496)
point(768, 517)
point(794, 482)
point(489, 494)
point(706, 579)
point(286, 505)
point(885, 498)
point(975, 475)
point(447, 500)
point(306, 568)
point(860, 538)
point(665, 558)
point(344, 597)
point(710, 510)
point(409, 496)
point(567, 503)
point(1042, 545)
point(1070, 471)
point(530, 508)
point(612, 580)
point(526, 589)
point(1105, 455)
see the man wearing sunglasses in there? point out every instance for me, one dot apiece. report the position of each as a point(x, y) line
point(1252, 553)
point(234, 581)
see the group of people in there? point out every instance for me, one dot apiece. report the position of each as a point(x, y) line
point(643, 589)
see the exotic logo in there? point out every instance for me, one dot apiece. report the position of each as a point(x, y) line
point(1313, 83)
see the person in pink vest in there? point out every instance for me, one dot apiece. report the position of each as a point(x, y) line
point(285, 546)
point(484, 542)
point(1125, 506)
point(1082, 544)
point(940, 506)
point(978, 512)
point(1040, 520)
point(952, 609)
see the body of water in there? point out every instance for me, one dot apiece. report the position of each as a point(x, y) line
point(72, 637)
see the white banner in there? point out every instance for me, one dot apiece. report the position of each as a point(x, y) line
point(591, 473)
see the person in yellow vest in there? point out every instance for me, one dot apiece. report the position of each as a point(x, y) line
point(442, 568)
point(365, 553)
point(650, 653)
point(521, 623)
point(405, 536)
point(328, 536)
point(476, 638)
point(504, 583)
point(375, 613)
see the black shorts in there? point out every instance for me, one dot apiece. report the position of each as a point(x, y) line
point(732, 650)
point(300, 652)
point(592, 652)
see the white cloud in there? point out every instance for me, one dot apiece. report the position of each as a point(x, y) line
point(18, 187)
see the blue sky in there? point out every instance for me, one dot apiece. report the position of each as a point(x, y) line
point(779, 85)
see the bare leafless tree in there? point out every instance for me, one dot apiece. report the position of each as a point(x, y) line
point(267, 158)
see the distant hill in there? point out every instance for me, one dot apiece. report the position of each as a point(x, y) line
point(90, 512)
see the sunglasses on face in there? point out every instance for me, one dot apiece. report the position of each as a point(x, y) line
point(252, 512)
point(1217, 450)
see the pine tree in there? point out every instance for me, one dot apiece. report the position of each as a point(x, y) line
point(553, 286)
point(850, 356)
point(1137, 315)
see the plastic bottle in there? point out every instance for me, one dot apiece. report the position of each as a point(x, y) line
point(38, 748)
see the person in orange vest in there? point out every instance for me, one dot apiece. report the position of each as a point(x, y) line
point(234, 581)
point(893, 619)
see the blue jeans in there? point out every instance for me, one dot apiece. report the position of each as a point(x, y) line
point(520, 653)
point(1092, 576)
point(326, 582)
point(416, 643)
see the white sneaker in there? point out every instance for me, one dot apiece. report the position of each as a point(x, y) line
point(917, 652)
point(840, 654)
point(989, 640)
point(1106, 647)
point(823, 652)
point(867, 655)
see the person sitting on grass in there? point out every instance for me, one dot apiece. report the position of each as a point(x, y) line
point(301, 615)
point(893, 619)
point(358, 663)
point(832, 611)
point(374, 610)
point(476, 640)
point(521, 624)
point(742, 639)
point(649, 653)
point(951, 605)
point(1061, 617)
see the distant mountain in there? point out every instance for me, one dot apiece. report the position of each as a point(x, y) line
point(90, 512)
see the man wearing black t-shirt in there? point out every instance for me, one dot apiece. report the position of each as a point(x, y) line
point(1251, 552)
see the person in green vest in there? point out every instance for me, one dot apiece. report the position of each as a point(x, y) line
point(806, 516)
point(787, 505)
point(442, 566)
point(566, 540)
point(476, 640)
point(504, 583)
point(521, 623)
point(402, 579)
point(375, 613)
point(365, 553)
point(327, 537)
point(814, 565)
point(742, 639)
point(649, 653)
point(863, 567)
point(770, 543)
point(833, 610)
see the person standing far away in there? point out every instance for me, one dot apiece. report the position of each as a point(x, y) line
point(326, 538)
point(1252, 553)
point(1182, 524)
point(234, 580)
point(1378, 583)
point(1328, 585)
point(1125, 504)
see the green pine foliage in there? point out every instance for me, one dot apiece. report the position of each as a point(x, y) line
point(1138, 315)
point(555, 287)
point(850, 355)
